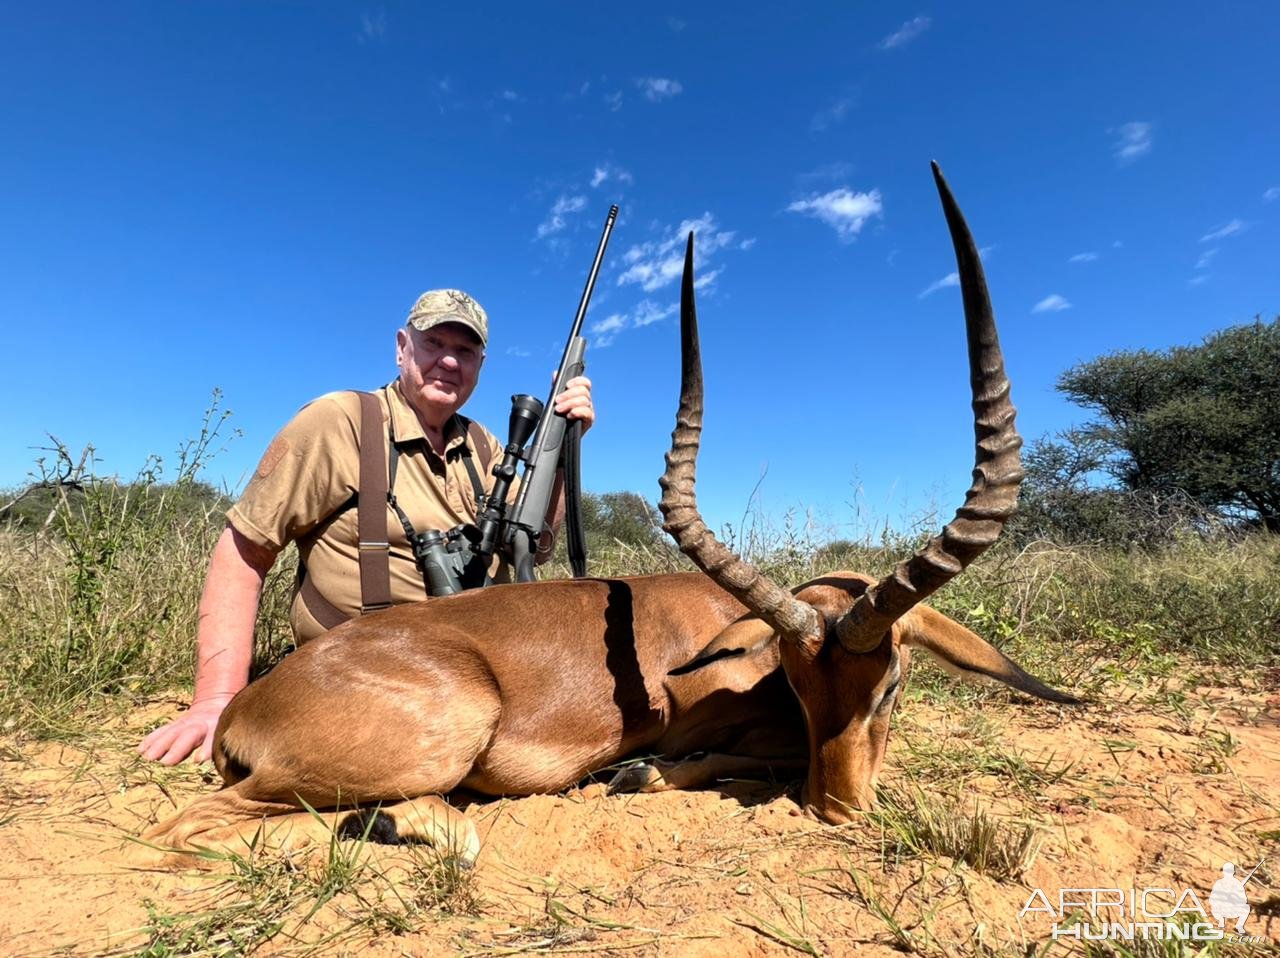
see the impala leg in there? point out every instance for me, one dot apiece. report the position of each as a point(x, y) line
point(428, 820)
point(657, 775)
point(227, 821)
point(203, 824)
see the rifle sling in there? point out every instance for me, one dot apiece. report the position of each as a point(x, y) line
point(575, 536)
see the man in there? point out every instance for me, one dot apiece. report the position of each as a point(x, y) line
point(303, 491)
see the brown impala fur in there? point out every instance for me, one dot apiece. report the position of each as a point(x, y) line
point(527, 688)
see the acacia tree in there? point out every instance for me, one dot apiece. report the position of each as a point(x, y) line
point(1203, 421)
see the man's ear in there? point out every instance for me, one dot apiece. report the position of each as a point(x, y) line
point(402, 342)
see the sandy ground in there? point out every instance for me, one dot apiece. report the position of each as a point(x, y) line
point(1149, 789)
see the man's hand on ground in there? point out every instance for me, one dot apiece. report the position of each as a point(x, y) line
point(191, 734)
point(575, 401)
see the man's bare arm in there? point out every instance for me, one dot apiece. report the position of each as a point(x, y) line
point(224, 647)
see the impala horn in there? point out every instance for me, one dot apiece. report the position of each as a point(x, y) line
point(792, 619)
point(997, 469)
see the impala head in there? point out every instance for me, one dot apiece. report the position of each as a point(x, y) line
point(845, 639)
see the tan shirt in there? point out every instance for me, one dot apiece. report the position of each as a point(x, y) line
point(311, 471)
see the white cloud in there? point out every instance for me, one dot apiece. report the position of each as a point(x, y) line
point(1198, 279)
point(606, 331)
point(555, 220)
point(518, 351)
point(373, 26)
point(1272, 194)
point(614, 100)
point(657, 89)
point(827, 173)
point(511, 96)
point(1083, 258)
point(648, 312)
point(655, 264)
point(843, 210)
point(606, 172)
point(1206, 258)
point(1222, 232)
point(1134, 140)
point(1053, 303)
point(951, 279)
point(611, 325)
point(676, 24)
point(905, 33)
point(831, 114)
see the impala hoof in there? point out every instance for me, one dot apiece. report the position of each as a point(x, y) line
point(377, 827)
point(635, 778)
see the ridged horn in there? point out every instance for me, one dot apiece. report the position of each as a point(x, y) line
point(793, 619)
point(997, 471)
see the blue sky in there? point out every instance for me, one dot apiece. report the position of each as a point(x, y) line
point(250, 196)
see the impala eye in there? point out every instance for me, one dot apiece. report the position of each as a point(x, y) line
point(887, 698)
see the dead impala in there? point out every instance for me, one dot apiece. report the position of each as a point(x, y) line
point(527, 688)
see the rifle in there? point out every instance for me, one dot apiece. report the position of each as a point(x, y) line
point(453, 561)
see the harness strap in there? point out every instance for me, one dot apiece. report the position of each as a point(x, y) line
point(321, 609)
point(371, 513)
point(473, 432)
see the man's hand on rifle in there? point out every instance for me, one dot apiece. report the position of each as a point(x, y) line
point(575, 401)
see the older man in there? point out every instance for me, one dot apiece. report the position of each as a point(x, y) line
point(304, 491)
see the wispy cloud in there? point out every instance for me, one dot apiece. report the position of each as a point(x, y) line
point(1201, 269)
point(831, 114)
point(606, 172)
point(1083, 257)
point(657, 89)
point(675, 24)
point(645, 313)
point(842, 209)
point(373, 26)
point(827, 173)
point(604, 332)
point(555, 220)
point(1225, 230)
point(648, 312)
point(614, 100)
point(905, 33)
point(1272, 194)
point(518, 351)
point(1053, 303)
point(654, 264)
point(1132, 140)
point(951, 279)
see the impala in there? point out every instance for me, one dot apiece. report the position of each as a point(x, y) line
point(528, 688)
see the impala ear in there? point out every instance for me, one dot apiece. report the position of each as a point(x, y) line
point(968, 656)
point(747, 635)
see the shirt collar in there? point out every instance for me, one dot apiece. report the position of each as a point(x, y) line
point(405, 426)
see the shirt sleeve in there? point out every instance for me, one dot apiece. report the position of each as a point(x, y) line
point(310, 470)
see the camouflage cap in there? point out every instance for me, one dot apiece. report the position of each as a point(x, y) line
point(438, 306)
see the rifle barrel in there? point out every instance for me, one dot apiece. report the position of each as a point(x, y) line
point(595, 270)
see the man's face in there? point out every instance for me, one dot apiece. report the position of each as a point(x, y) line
point(438, 368)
